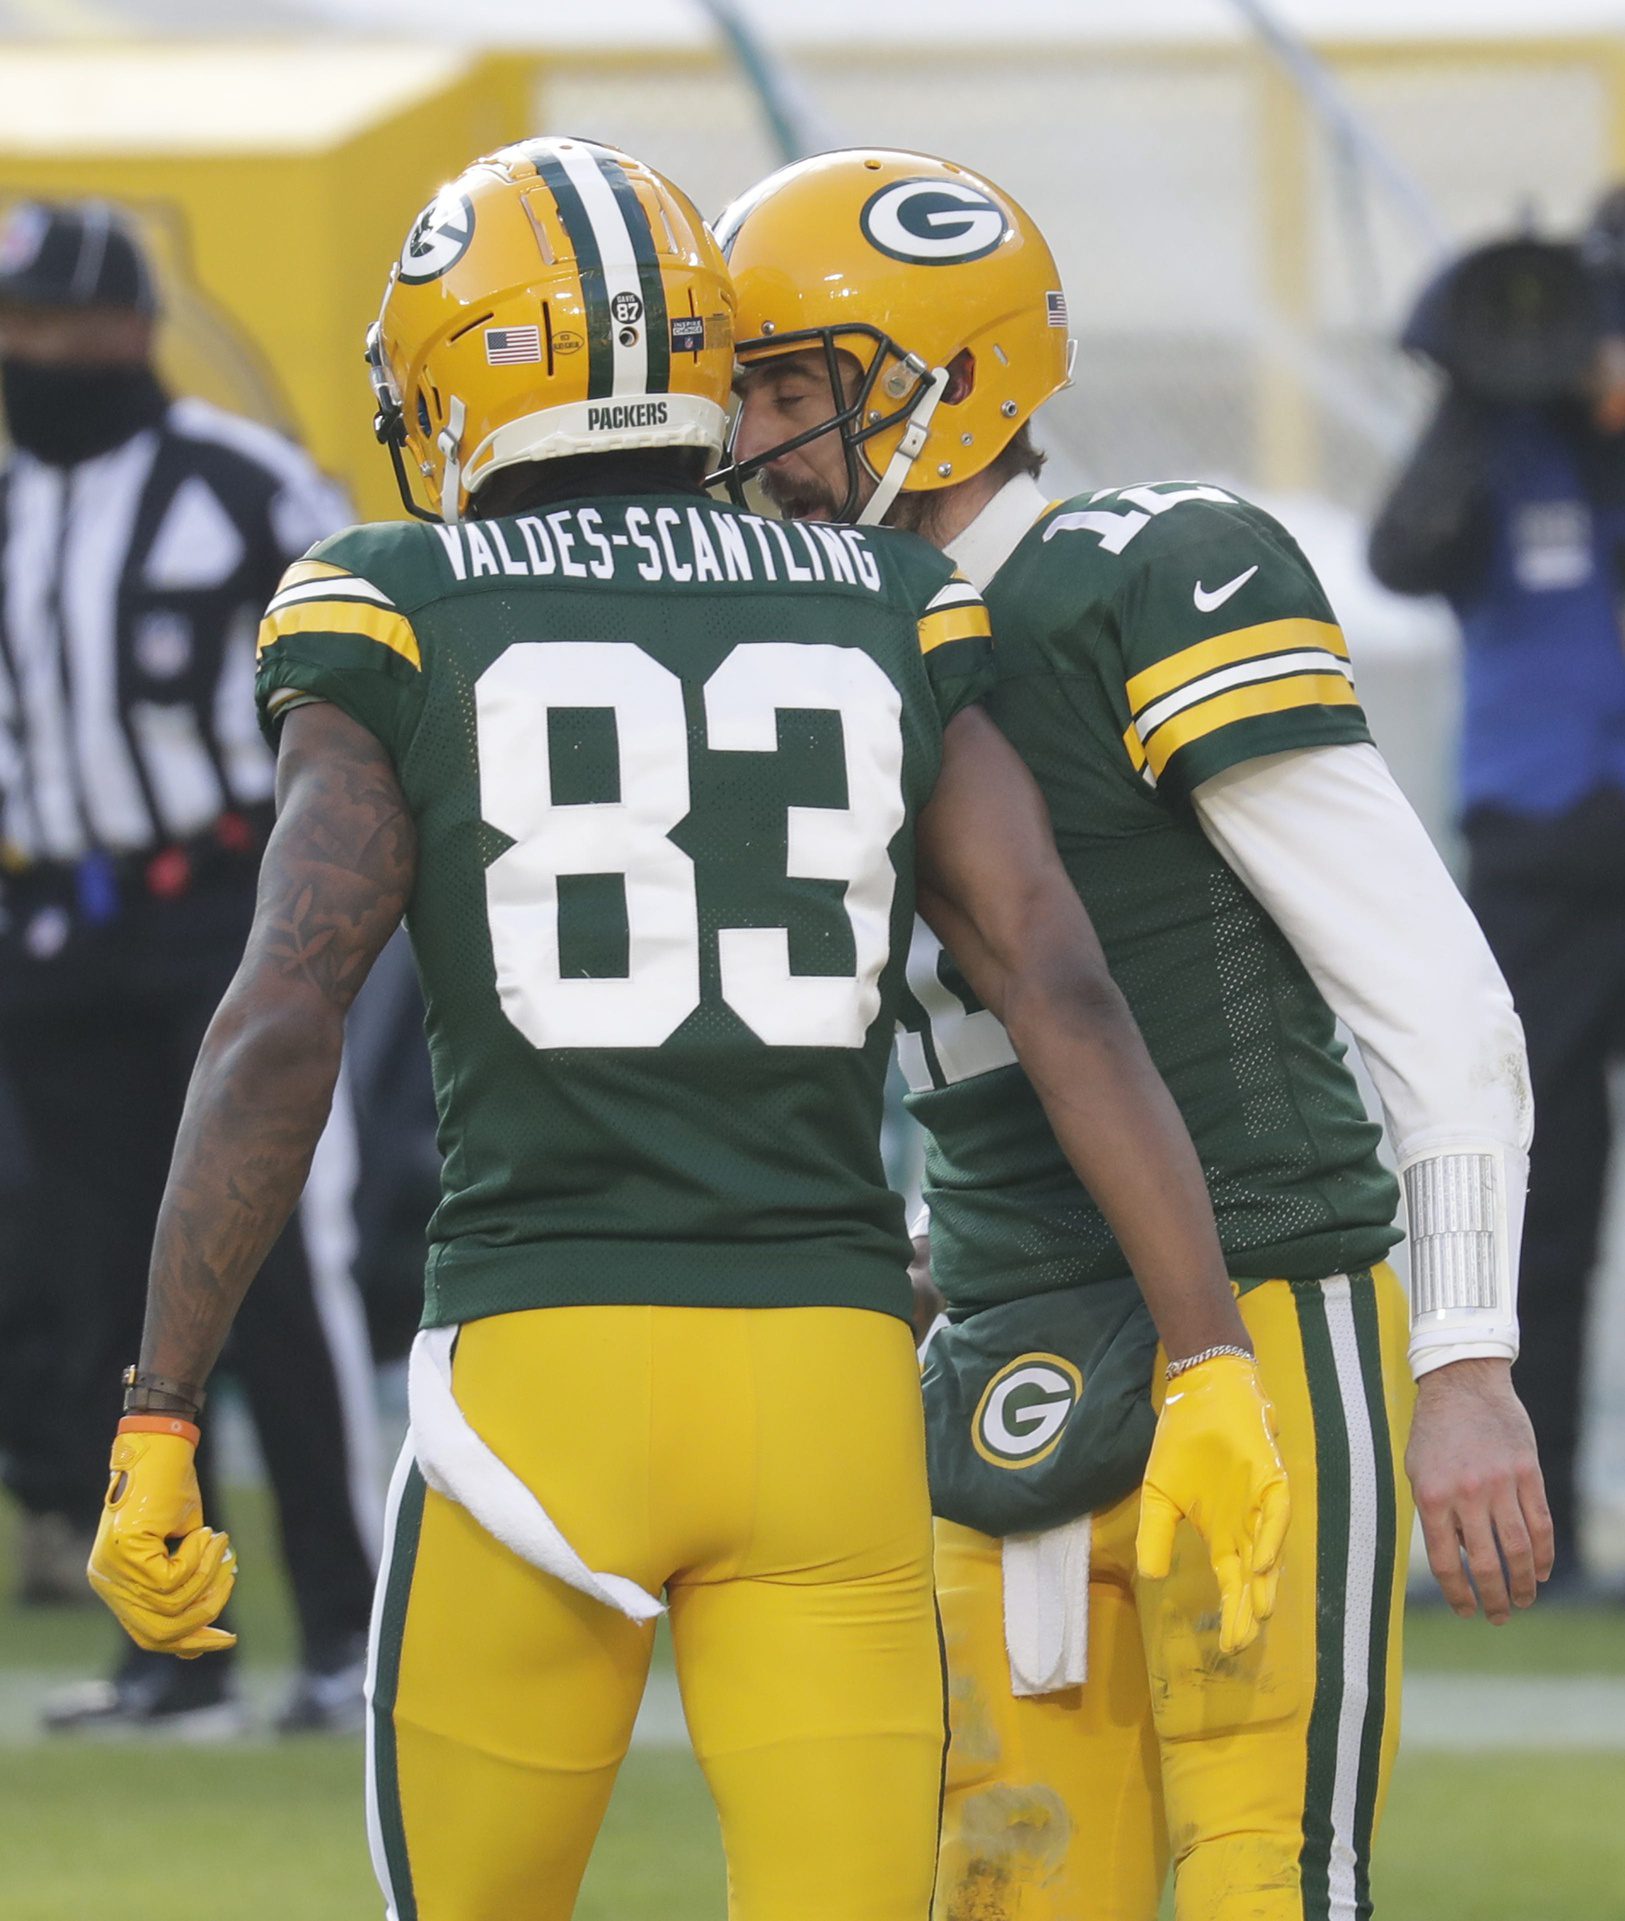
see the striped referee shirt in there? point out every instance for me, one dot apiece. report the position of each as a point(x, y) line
point(131, 586)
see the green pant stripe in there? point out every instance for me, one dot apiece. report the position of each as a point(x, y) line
point(403, 1554)
point(947, 1737)
point(1331, 1573)
point(1367, 1332)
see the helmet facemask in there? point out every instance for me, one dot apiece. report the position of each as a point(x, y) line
point(905, 378)
point(389, 425)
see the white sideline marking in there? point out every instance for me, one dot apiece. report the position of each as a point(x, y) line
point(1444, 1713)
point(1468, 1713)
point(23, 1691)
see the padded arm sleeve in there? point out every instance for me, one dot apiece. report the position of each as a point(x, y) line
point(1331, 848)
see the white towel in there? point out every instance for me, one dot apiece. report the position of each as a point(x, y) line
point(1046, 1608)
point(456, 1463)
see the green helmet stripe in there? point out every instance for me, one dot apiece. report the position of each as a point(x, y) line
point(641, 234)
point(590, 266)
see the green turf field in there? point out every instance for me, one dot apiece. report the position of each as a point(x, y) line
point(268, 1832)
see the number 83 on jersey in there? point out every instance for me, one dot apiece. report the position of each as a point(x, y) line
point(631, 837)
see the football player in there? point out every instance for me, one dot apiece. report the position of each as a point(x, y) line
point(656, 784)
point(1169, 668)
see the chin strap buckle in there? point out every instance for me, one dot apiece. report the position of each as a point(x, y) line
point(449, 440)
point(908, 450)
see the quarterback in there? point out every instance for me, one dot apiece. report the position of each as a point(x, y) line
point(1168, 667)
point(657, 785)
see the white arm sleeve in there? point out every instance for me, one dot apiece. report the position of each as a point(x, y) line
point(1330, 847)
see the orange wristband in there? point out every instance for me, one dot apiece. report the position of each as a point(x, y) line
point(161, 1424)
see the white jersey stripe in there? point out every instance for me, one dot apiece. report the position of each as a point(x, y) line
point(1308, 660)
point(103, 500)
point(340, 587)
point(620, 265)
point(250, 765)
point(1358, 1597)
point(32, 561)
point(955, 594)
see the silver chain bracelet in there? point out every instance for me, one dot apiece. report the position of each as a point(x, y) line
point(1175, 1368)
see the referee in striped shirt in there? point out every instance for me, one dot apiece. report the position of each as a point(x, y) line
point(140, 535)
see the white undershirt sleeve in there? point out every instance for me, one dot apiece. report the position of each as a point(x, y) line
point(1330, 847)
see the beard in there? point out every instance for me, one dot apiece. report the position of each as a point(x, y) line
point(799, 496)
point(804, 497)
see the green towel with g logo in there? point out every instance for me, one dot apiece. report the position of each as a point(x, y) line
point(1039, 1410)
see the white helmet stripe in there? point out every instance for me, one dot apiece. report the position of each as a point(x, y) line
point(620, 264)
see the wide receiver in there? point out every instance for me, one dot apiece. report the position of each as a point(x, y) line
point(656, 784)
point(1170, 670)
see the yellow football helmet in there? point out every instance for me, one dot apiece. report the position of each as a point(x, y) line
point(556, 298)
point(906, 262)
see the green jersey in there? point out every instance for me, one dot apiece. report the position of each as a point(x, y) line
point(1146, 640)
point(664, 760)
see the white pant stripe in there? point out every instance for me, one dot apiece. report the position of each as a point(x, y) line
point(375, 1832)
point(1358, 1598)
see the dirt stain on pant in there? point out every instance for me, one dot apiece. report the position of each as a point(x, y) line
point(1008, 1840)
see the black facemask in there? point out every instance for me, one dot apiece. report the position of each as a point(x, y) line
point(63, 414)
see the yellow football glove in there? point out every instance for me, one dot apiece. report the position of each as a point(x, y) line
point(1214, 1463)
point(164, 1601)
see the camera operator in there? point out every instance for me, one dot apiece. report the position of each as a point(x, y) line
point(1513, 507)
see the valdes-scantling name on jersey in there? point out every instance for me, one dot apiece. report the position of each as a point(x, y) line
point(682, 544)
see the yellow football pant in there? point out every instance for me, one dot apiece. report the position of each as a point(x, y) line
point(766, 1467)
point(1260, 1775)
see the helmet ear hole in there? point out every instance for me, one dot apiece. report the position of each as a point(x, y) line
point(431, 414)
point(961, 378)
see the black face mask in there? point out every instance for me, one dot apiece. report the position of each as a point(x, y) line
point(63, 414)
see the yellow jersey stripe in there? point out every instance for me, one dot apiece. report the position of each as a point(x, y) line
point(966, 622)
point(1245, 703)
point(1224, 650)
point(390, 630)
point(1132, 747)
point(303, 570)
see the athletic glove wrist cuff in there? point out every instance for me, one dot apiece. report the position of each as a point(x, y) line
point(156, 1423)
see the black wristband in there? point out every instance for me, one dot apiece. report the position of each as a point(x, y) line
point(154, 1394)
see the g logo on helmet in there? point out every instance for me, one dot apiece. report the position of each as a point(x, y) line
point(1023, 1409)
point(934, 223)
point(439, 238)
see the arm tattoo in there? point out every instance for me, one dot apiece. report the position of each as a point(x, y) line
point(335, 881)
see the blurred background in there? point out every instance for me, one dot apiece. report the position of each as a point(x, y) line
point(1248, 199)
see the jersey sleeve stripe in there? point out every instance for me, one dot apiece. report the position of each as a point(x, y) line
point(1309, 660)
point(347, 617)
point(283, 700)
point(966, 622)
point(1246, 703)
point(1224, 650)
point(303, 570)
point(346, 587)
point(958, 593)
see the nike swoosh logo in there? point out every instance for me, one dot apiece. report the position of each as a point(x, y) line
point(1206, 602)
